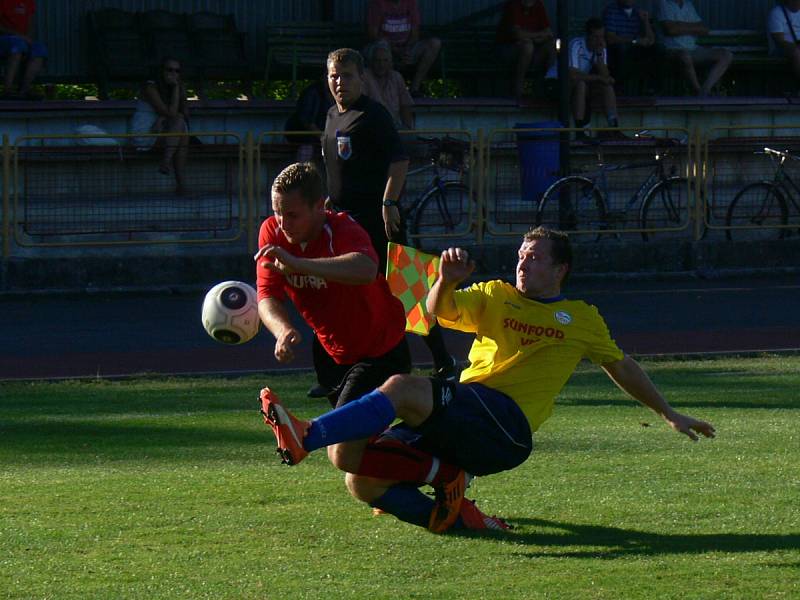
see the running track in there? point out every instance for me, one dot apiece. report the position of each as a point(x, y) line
point(122, 334)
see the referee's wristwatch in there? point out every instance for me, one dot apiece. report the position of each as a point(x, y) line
point(391, 202)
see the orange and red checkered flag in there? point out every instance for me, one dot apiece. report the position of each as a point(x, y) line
point(411, 274)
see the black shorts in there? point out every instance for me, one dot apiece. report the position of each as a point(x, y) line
point(361, 378)
point(475, 427)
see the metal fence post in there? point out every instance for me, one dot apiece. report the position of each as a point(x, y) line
point(480, 187)
point(6, 196)
point(699, 197)
point(251, 216)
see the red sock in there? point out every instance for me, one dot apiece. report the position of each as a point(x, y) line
point(396, 461)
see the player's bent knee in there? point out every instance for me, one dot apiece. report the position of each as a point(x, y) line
point(395, 384)
point(366, 489)
point(344, 457)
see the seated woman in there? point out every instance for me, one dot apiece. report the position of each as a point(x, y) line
point(162, 108)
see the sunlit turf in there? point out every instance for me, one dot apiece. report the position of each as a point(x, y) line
point(170, 488)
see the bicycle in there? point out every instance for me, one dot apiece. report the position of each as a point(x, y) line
point(443, 204)
point(762, 204)
point(579, 202)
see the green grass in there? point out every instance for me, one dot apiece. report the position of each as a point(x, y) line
point(155, 488)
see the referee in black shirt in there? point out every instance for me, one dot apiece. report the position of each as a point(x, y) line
point(364, 158)
point(366, 166)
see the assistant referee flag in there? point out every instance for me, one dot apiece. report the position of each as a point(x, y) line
point(411, 274)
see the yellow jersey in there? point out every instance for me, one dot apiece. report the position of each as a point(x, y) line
point(528, 349)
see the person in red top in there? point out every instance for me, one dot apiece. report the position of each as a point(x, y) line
point(16, 43)
point(524, 37)
point(398, 22)
point(324, 262)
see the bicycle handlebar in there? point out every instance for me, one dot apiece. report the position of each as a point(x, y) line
point(784, 154)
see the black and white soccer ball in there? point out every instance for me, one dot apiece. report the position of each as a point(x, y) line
point(230, 312)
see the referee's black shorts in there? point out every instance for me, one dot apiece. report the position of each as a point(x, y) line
point(350, 382)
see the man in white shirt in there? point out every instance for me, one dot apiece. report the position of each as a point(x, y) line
point(680, 27)
point(588, 74)
point(783, 26)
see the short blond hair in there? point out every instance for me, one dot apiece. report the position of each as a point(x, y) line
point(345, 56)
point(302, 177)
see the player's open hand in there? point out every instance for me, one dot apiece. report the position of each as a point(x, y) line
point(456, 265)
point(275, 259)
point(688, 426)
point(285, 343)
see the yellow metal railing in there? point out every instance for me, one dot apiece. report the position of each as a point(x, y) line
point(64, 190)
point(89, 190)
point(751, 181)
point(614, 183)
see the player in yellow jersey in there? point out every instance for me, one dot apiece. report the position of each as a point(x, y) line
point(528, 340)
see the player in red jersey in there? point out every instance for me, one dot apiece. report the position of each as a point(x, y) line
point(325, 264)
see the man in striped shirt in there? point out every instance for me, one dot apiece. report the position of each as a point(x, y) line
point(629, 39)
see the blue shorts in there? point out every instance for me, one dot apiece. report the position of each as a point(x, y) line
point(475, 427)
point(11, 44)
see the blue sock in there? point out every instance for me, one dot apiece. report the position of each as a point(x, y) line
point(356, 420)
point(407, 503)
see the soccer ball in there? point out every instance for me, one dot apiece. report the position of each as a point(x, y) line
point(230, 312)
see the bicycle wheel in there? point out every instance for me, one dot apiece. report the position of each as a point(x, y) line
point(442, 211)
point(665, 206)
point(573, 203)
point(761, 206)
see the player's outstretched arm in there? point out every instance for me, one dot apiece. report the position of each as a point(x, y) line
point(455, 267)
point(632, 379)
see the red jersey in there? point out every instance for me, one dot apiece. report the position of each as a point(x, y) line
point(16, 14)
point(352, 322)
point(530, 19)
point(394, 20)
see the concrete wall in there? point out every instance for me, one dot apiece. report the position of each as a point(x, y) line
point(260, 116)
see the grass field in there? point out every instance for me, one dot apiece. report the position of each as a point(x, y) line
point(170, 488)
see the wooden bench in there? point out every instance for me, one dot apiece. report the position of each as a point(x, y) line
point(469, 59)
point(297, 51)
point(753, 70)
point(125, 47)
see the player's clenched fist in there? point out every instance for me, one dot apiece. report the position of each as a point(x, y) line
point(455, 265)
point(285, 343)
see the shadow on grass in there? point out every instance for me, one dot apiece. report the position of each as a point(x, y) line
point(64, 441)
point(606, 542)
point(744, 402)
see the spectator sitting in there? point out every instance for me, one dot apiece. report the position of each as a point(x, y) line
point(783, 25)
point(387, 86)
point(16, 42)
point(629, 40)
point(398, 22)
point(309, 115)
point(589, 76)
point(681, 25)
point(524, 37)
point(162, 108)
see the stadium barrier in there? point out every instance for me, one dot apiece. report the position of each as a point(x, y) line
point(104, 189)
point(438, 202)
point(751, 181)
point(101, 190)
point(615, 184)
